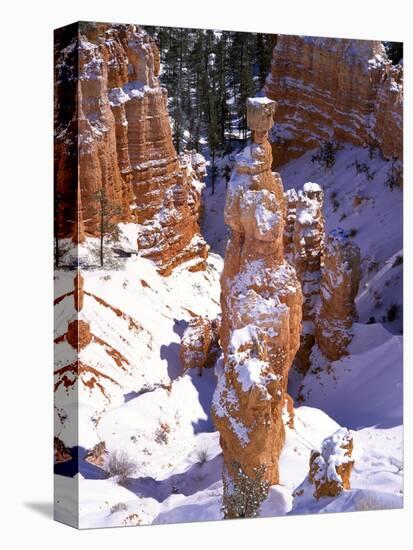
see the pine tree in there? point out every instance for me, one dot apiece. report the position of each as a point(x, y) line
point(213, 137)
point(394, 51)
point(264, 48)
point(107, 213)
point(243, 494)
point(57, 204)
point(207, 99)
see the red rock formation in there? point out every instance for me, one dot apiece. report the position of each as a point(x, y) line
point(61, 452)
point(97, 454)
point(308, 253)
point(329, 275)
point(388, 116)
point(334, 89)
point(261, 313)
point(338, 289)
point(112, 134)
point(199, 344)
point(78, 291)
point(330, 468)
point(78, 334)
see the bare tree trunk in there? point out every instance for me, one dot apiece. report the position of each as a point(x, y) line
point(213, 173)
point(102, 223)
point(56, 227)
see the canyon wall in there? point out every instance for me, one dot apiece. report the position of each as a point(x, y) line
point(113, 135)
point(261, 317)
point(330, 89)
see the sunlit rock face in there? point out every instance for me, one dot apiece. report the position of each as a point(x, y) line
point(330, 470)
point(113, 136)
point(338, 290)
point(261, 312)
point(199, 344)
point(334, 89)
point(331, 466)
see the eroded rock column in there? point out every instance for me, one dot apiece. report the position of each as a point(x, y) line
point(113, 136)
point(338, 290)
point(261, 316)
point(308, 253)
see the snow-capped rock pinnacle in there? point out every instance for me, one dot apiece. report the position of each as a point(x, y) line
point(338, 289)
point(261, 315)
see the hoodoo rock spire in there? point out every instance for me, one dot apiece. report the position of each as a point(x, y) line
point(261, 318)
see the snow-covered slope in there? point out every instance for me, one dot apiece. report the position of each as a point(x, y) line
point(358, 198)
point(136, 318)
point(161, 418)
point(373, 214)
point(364, 388)
point(193, 491)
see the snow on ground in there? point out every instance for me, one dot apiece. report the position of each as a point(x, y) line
point(163, 421)
point(363, 391)
point(193, 492)
point(372, 212)
point(364, 388)
point(376, 479)
point(213, 226)
point(192, 488)
point(367, 208)
point(159, 308)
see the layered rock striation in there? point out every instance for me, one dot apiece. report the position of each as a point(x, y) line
point(113, 136)
point(92, 372)
point(261, 315)
point(331, 89)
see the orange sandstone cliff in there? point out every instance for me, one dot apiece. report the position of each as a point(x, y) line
point(334, 89)
point(113, 143)
point(261, 315)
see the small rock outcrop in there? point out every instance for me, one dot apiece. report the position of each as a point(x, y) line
point(78, 334)
point(113, 145)
point(339, 285)
point(334, 89)
point(200, 344)
point(261, 314)
point(331, 467)
point(97, 454)
point(61, 452)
